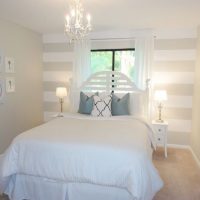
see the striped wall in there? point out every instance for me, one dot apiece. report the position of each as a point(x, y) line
point(58, 59)
point(173, 70)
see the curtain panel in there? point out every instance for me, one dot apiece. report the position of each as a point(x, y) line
point(144, 50)
point(81, 70)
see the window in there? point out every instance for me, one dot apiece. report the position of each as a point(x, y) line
point(121, 60)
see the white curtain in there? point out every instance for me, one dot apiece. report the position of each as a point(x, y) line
point(81, 68)
point(144, 47)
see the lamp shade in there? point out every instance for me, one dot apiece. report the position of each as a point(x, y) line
point(160, 95)
point(61, 92)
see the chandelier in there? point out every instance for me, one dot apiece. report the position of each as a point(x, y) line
point(77, 24)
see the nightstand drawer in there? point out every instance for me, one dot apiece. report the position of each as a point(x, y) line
point(160, 129)
point(160, 134)
point(160, 138)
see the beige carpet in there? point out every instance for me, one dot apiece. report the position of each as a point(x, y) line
point(180, 173)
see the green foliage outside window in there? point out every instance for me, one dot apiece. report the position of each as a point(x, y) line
point(101, 61)
point(124, 61)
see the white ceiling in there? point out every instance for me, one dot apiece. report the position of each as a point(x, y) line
point(47, 16)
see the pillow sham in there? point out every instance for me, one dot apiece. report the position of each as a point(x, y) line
point(102, 106)
point(120, 106)
point(86, 103)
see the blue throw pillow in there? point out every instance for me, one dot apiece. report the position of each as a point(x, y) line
point(120, 106)
point(86, 103)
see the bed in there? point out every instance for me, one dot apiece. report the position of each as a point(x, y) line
point(79, 157)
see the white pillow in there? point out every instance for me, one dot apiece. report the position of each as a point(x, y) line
point(102, 106)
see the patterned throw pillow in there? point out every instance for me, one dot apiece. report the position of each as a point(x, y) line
point(102, 106)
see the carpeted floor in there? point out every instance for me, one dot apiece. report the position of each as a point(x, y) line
point(180, 173)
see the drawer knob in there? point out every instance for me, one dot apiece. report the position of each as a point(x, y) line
point(159, 129)
point(159, 139)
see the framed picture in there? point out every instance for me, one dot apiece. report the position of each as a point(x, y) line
point(1, 61)
point(2, 90)
point(10, 84)
point(10, 64)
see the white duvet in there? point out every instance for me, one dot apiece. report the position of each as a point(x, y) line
point(103, 152)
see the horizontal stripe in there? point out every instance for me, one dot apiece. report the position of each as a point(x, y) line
point(177, 125)
point(174, 66)
point(51, 97)
point(51, 86)
point(58, 57)
point(55, 106)
point(180, 54)
point(57, 66)
point(116, 44)
point(57, 76)
point(51, 106)
point(176, 33)
point(173, 77)
point(171, 44)
point(178, 102)
point(176, 89)
point(58, 47)
point(173, 113)
point(181, 138)
point(177, 113)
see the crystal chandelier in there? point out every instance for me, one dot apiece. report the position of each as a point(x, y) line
point(77, 25)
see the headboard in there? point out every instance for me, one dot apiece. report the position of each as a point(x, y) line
point(117, 82)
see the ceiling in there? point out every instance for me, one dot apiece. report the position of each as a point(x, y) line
point(47, 16)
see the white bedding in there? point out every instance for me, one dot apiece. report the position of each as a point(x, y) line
point(75, 149)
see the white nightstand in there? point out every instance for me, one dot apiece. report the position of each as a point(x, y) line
point(160, 129)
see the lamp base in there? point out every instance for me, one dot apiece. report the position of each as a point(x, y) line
point(60, 115)
point(160, 120)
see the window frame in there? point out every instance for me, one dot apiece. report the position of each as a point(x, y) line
point(113, 53)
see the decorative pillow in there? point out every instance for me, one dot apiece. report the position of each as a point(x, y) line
point(102, 106)
point(86, 103)
point(120, 106)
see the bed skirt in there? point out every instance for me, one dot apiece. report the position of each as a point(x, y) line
point(30, 187)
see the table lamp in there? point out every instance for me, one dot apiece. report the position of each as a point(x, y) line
point(160, 96)
point(61, 92)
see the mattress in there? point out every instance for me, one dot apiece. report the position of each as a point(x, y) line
point(111, 153)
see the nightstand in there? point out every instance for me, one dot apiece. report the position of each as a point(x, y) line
point(160, 129)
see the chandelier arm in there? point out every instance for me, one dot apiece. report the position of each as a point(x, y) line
point(77, 27)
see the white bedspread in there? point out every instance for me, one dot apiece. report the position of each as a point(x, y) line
point(102, 152)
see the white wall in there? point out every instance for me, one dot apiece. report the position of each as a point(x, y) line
point(22, 109)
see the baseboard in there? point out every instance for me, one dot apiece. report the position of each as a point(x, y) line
point(178, 146)
point(194, 156)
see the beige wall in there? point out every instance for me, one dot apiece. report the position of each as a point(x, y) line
point(22, 109)
point(195, 136)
